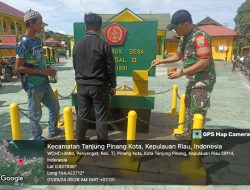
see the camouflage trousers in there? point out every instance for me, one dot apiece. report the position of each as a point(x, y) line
point(197, 100)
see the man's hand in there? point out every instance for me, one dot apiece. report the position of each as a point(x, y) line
point(174, 75)
point(49, 72)
point(155, 62)
point(112, 91)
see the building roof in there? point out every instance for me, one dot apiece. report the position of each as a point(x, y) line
point(213, 30)
point(51, 40)
point(8, 10)
point(8, 40)
point(11, 11)
point(162, 18)
point(208, 21)
point(124, 11)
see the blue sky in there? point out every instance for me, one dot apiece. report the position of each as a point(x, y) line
point(61, 14)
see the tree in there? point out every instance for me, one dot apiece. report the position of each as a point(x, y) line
point(242, 21)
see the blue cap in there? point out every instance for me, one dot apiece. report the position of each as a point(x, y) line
point(179, 17)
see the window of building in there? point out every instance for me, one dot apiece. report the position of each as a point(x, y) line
point(12, 28)
point(19, 28)
point(4, 26)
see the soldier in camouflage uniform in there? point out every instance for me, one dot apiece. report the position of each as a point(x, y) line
point(198, 66)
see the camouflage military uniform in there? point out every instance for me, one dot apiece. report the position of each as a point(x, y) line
point(193, 47)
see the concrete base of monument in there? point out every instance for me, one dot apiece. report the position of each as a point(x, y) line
point(143, 119)
point(160, 127)
point(120, 105)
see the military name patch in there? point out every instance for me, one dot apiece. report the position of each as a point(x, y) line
point(202, 50)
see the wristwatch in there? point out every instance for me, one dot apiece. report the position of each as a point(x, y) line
point(182, 72)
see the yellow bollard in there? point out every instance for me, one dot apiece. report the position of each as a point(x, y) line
point(15, 122)
point(193, 167)
point(129, 162)
point(60, 122)
point(181, 121)
point(174, 101)
point(68, 124)
point(131, 130)
point(198, 122)
point(71, 157)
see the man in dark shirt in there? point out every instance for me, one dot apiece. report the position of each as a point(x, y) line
point(95, 77)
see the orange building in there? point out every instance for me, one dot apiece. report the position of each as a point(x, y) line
point(11, 22)
point(222, 38)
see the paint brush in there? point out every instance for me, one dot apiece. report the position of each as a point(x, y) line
point(150, 68)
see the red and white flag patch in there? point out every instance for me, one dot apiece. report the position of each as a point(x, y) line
point(202, 46)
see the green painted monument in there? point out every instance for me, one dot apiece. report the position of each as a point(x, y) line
point(134, 47)
point(138, 48)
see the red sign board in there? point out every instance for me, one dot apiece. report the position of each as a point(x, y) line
point(115, 34)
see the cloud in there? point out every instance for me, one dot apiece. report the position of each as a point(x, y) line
point(61, 14)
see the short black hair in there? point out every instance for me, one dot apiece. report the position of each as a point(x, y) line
point(30, 21)
point(93, 21)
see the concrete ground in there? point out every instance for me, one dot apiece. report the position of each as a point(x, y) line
point(230, 100)
point(230, 108)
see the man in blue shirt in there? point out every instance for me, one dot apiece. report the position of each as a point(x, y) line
point(31, 64)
